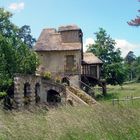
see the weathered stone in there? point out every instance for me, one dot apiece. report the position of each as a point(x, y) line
point(25, 90)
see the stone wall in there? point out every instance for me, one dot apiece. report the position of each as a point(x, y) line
point(71, 36)
point(55, 61)
point(31, 90)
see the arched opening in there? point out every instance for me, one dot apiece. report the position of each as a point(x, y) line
point(37, 93)
point(66, 80)
point(27, 93)
point(53, 97)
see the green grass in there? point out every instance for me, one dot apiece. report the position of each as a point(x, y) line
point(101, 122)
point(122, 92)
point(71, 123)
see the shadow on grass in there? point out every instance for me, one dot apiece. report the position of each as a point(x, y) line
point(108, 96)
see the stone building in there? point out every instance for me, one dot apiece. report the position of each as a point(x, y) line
point(60, 51)
point(91, 65)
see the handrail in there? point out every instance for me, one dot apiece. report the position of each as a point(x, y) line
point(76, 97)
point(85, 84)
point(80, 82)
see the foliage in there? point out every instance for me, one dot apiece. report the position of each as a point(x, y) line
point(136, 21)
point(47, 75)
point(104, 48)
point(136, 67)
point(132, 66)
point(58, 79)
point(128, 64)
point(2, 94)
point(130, 57)
point(25, 35)
point(15, 53)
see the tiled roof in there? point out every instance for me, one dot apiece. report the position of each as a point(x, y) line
point(90, 58)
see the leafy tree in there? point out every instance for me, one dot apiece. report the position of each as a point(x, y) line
point(136, 21)
point(25, 35)
point(129, 60)
point(104, 48)
point(15, 53)
point(130, 57)
point(135, 66)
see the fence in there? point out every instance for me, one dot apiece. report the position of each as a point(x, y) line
point(126, 99)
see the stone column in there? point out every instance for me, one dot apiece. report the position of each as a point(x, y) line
point(32, 94)
point(18, 93)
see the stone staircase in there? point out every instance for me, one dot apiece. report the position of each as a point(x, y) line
point(78, 96)
point(73, 99)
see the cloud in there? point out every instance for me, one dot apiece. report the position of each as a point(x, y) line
point(88, 41)
point(125, 46)
point(17, 6)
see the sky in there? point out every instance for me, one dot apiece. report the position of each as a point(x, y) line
point(89, 15)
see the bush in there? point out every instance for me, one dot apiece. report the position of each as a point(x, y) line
point(2, 95)
point(47, 75)
point(138, 79)
point(58, 79)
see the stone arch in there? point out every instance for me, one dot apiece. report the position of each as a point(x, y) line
point(27, 93)
point(66, 80)
point(53, 97)
point(37, 92)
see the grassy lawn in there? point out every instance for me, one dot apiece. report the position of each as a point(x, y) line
point(122, 92)
point(71, 123)
point(101, 122)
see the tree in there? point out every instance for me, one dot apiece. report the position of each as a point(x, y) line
point(136, 21)
point(129, 60)
point(15, 53)
point(130, 57)
point(137, 66)
point(135, 69)
point(104, 48)
point(25, 34)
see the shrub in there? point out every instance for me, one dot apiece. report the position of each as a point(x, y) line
point(47, 75)
point(2, 95)
point(58, 79)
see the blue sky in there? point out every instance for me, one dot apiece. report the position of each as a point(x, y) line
point(89, 15)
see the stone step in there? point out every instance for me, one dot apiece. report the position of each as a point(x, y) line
point(82, 95)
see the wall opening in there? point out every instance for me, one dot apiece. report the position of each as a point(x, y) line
point(66, 81)
point(70, 63)
point(53, 97)
point(27, 94)
point(93, 71)
point(37, 93)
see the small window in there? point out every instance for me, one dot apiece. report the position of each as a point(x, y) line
point(93, 71)
point(69, 62)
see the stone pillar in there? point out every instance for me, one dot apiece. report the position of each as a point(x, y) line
point(18, 93)
point(32, 94)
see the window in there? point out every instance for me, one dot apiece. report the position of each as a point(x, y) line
point(93, 71)
point(69, 62)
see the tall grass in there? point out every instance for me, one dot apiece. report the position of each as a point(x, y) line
point(71, 123)
point(104, 122)
point(122, 92)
